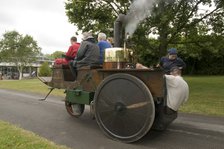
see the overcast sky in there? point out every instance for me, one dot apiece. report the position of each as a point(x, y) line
point(44, 20)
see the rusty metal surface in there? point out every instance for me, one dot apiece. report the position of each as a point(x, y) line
point(61, 72)
point(88, 79)
point(152, 78)
point(114, 65)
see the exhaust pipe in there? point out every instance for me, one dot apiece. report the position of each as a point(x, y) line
point(118, 30)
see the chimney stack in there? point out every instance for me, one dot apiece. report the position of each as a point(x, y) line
point(118, 30)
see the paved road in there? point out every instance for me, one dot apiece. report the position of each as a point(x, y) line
point(50, 120)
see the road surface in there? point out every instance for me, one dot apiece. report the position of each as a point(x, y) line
point(49, 119)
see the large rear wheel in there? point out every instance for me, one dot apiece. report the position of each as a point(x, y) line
point(124, 107)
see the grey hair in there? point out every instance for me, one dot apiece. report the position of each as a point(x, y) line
point(102, 36)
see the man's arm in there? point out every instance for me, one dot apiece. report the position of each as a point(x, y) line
point(160, 64)
point(181, 63)
point(68, 54)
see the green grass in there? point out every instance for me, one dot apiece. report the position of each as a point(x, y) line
point(30, 85)
point(206, 93)
point(13, 137)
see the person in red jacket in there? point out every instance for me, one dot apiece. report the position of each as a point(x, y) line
point(70, 54)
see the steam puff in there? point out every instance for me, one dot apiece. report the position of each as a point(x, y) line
point(139, 10)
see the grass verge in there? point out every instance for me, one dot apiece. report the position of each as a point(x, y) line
point(29, 85)
point(206, 95)
point(15, 137)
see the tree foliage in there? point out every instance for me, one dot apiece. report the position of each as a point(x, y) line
point(45, 70)
point(57, 54)
point(95, 15)
point(193, 26)
point(18, 49)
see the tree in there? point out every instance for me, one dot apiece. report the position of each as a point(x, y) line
point(168, 19)
point(45, 70)
point(95, 15)
point(18, 49)
point(216, 20)
point(195, 27)
point(57, 54)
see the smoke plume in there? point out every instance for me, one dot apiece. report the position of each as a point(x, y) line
point(139, 10)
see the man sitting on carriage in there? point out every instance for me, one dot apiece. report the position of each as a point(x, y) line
point(70, 54)
point(88, 53)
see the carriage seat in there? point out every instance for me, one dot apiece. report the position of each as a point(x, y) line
point(60, 66)
point(91, 66)
point(65, 70)
point(74, 71)
point(95, 66)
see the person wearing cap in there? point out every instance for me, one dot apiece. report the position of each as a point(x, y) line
point(88, 52)
point(171, 60)
point(103, 44)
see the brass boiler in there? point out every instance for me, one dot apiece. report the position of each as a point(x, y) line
point(116, 58)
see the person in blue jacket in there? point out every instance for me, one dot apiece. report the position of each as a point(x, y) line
point(171, 60)
point(103, 44)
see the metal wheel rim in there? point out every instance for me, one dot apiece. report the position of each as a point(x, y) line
point(149, 109)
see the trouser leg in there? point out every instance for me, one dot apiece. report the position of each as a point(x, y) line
point(73, 69)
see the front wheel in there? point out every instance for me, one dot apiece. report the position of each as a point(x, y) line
point(74, 109)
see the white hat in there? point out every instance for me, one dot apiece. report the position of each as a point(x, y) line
point(87, 35)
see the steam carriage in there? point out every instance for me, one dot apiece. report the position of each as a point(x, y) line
point(123, 100)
